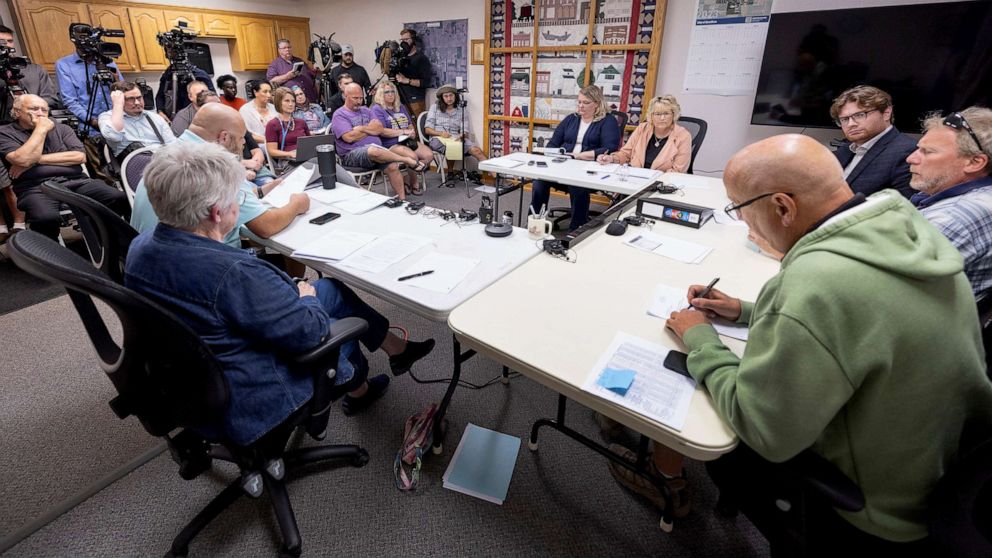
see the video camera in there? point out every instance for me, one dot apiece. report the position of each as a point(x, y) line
point(390, 55)
point(10, 68)
point(174, 44)
point(89, 42)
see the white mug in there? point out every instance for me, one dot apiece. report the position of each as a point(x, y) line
point(538, 228)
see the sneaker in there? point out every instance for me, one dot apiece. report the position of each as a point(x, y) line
point(609, 428)
point(677, 486)
point(415, 350)
point(20, 227)
point(377, 387)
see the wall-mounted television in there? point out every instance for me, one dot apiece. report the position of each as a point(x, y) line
point(927, 56)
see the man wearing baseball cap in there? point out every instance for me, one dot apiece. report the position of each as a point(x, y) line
point(358, 73)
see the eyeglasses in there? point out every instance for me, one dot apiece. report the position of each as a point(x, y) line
point(857, 117)
point(666, 113)
point(958, 122)
point(388, 92)
point(134, 99)
point(734, 211)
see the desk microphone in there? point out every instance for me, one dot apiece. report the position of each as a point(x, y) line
point(327, 166)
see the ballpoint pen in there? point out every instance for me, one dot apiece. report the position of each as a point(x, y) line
point(605, 176)
point(421, 274)
point(707, 290)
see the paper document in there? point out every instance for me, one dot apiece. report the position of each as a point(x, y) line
point(482, 465)
point(670, 247)
point(294, 183)
point(335, 245)
point(341, 192)
point(721, 217)
point(359, 205)
point(452, 148)
point(731, 329)
point(656, 392)
point(598, 168)
point(504, 162)
point(666, 300)
point(448, 272)
point(385, 251)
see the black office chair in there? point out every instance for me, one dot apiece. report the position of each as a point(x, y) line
point(985, 321)
point(108, 237)
point(960, 508)
point(168, 378)
point(697, 129)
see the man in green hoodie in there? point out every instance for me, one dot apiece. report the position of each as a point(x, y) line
point(865, 347)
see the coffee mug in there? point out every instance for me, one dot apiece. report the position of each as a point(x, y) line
point(538, 228)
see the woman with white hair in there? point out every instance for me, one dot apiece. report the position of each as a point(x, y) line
point(247, 311)
point(658, 143)
point(587, 133)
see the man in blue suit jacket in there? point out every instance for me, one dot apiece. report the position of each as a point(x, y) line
point(874, 155)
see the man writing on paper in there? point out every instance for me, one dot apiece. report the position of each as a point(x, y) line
point(869, 327)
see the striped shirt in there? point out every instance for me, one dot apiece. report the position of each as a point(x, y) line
point(966, 220)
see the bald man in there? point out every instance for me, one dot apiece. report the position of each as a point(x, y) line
point(34, 149)
point(220, 124)
point(867, 330)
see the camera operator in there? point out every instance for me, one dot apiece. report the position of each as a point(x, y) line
point(282, 72)
point(75, 76)
point(414, 74)
point(35, 80)
point(174, 45)
point(348, 65)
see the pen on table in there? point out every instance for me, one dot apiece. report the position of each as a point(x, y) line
point(421, 274)
point(707, 290)
point(605, 176)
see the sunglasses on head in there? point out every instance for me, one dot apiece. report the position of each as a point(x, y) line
point(957, 121)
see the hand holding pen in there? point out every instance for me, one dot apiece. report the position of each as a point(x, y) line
point(713, 302)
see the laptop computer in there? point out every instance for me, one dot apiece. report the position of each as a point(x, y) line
point(306, 146)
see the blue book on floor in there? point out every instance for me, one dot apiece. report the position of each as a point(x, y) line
point(483, 464)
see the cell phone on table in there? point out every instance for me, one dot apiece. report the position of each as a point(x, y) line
point(677, 361)
point(325, 218)
point(542, 163)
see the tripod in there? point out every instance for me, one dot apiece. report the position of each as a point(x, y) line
point(101, 81)
point(172, 97)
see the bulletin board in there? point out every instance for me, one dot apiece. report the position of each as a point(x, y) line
point(445, 44)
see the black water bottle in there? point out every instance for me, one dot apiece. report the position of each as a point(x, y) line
point(328, 169)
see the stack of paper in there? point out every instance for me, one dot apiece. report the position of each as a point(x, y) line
point(341, 192)
point(670, 247)
point(385, 251)
point(294, 183)
point(482, 465)
point(335, 245)
point(447, 272)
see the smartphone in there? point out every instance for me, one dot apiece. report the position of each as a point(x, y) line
point(677, 362)
point(325, 218)
point(542, 163)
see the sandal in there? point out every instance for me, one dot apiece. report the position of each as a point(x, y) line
point(421, 167)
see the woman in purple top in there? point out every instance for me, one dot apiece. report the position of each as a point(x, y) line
point(396, 122)
point(282, 132)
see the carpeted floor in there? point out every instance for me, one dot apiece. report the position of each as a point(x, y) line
point(58, 433)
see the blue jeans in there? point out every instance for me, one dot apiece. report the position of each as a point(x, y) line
point(339, 301)
point(540, 194)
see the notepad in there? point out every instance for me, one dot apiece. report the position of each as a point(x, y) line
point(483, 463)
point(670, 247)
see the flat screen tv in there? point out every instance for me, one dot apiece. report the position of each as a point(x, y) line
point(929, 57)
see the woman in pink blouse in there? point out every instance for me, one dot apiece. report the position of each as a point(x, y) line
point(658, 143)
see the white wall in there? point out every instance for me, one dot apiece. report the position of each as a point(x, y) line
point(729, 117)
point(363, 23)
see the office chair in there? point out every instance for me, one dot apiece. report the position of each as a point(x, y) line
point(559, 215)
point(960, 511)
point(169, 379)
point(133, 168)
point(107, 235)
point(439, 159)
point(985, 321)
point(697, 129)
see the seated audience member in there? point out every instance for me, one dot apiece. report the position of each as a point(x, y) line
point(283, 131)
point(337, 100)
point(128, 122)
point(311, 113)
point(348, 65)
point(163, 98)
point(837, 362)
point(874, 151)
point(228, 86)
point(658, 143)
point(216, 123)
point(586, 134)
point(396, 122)
point(247, 311)
point(446, 118)
point(182, 118)
point(252, 157)
point(35, 149)
point(259, 110)
point(951, 169)
point(356, 136)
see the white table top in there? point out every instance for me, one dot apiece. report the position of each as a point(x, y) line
point(551, 320)
point(571, 172)
point(498, 255)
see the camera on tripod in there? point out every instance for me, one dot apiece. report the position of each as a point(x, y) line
point(10, 67)
point(174, 44)
point(90, 45)
point(390, 55)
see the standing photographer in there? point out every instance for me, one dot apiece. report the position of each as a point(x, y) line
point(414, 74)
point(35, 80)
point(75, 76)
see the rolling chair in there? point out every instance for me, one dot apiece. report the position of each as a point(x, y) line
point(108, 237)
point(697, 129)
point(168, 378)
point(133, 168)
point(559, 215)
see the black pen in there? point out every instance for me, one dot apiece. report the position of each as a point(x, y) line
point(421, 274)
point(707, 290)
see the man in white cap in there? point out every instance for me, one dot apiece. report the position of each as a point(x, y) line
point(358, 73)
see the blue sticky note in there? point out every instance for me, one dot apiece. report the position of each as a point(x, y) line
point(617, 381)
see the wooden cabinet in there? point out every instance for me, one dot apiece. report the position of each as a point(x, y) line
point(115, 17)
point(193, 20)
point(298, 33)
point(146, 24)
point(45, 25)
point(219, 25)
point(256, 44)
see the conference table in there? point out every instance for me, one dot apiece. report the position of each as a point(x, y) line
point(551, 320)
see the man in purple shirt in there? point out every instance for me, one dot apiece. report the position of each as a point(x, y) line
point(356, 133)
point(281, 71)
